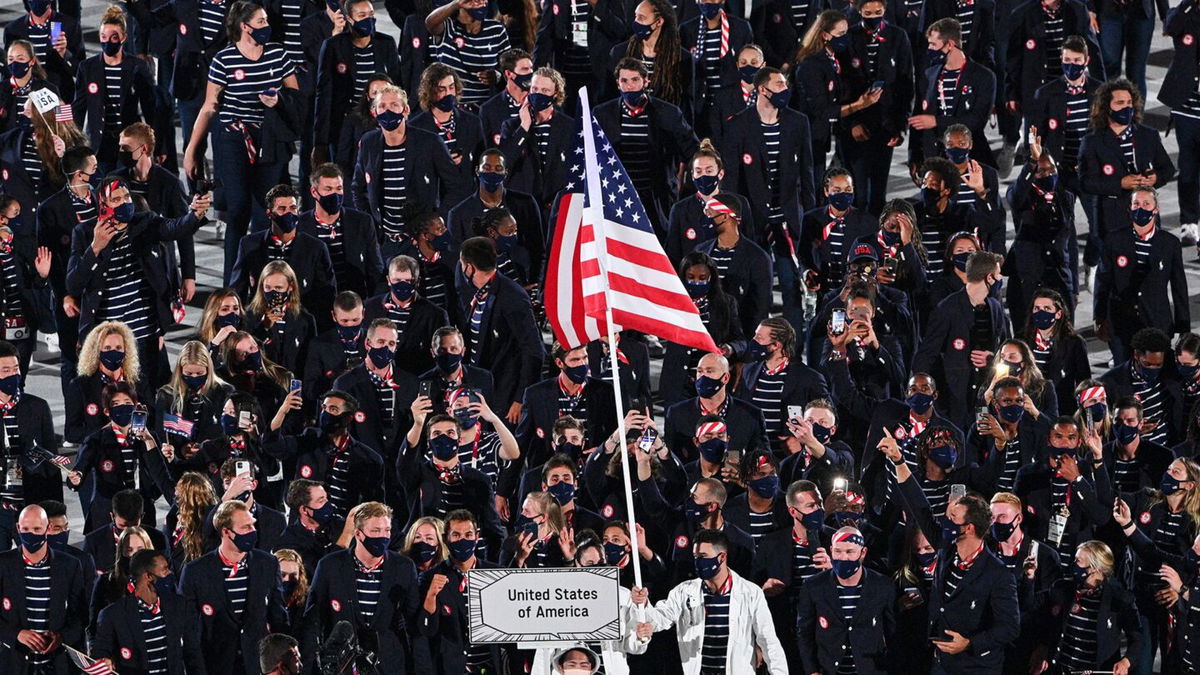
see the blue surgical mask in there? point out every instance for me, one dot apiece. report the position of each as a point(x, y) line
point(261, 35)
point(121, 415)
point(613, 553)
point(1169, 485)
point(423, 551)
point(706, 185)
point(944, 456)
point(447, 363)
point(919, 402)
point(841, 201)
point(348, 333)
point(844, 569)
point(286, 222)
point(642, 31)
point(577, 374)
point(446, 103)
point(634, 99)
point(112, 359)
point(1012, 413)
point(389, 120)
point(539, 102)
point(18, 69)
point(32, 542)
point(707, 568)
point(376, 546)
point(958, 155)
point(462, 550)
point(332, 202)
point(444, 448)
point(1073, 71)
point(1042, 320)
point(713, 450)
point(1124, 116)
point(780, 99)
point(365, 27)
point(381, 357)
point(402, 290)
point(491, 181)
point(708, 387)
point(766, 487)
point(563, 492)
point(696, 289)
point(124, 213)
point(1125, 433)
point(246, 542)
point(195, 382)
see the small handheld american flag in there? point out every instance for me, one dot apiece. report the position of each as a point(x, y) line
point(64, 113)
point(178, 425)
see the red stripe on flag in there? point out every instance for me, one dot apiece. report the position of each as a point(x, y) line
point(654, 260)
point(667, 331)
point(658, 296)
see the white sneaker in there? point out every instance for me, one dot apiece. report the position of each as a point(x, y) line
point(1188, 234)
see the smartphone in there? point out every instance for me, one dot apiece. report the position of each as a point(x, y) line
point(795, 413)
point(889, 263)
point(241, 467)
point(733, 457)
point(139, 420)
point(244, 419)
point(877, 85)
point(839, 484)
point(939, 635)
point(1088, 422)
point(426, 388)
point(646, 442)
point(296, 385)
point(981, 412)
point(837, 324)
point(55, 30)
point(957, 492)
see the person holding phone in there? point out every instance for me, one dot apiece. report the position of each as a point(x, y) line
point(277, 318)
point(745, 268)
point(829, 232)
point(449, 372)
point(775, 379)
point(747, 428)
point(967, 575)
point(868, 137)
point(1006, 427)
point(56, 37)
point(336, 350)
point(240, 479)
point(116, 458)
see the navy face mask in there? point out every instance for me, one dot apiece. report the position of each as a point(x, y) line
point(348, 333)
point(709, 10)
point(1012, 413)
point(376, 546)
point(112, 47)
point(766, 487)
point(563, 492)
point(491, 181)
point(708, 387)
point(1123, 116)
point(706, 185)
point(447, 363)
point(424, 551)
point(261, 35)
point(245, 542)
point(18, 69)
point(1002, 531)
point(634, 99)
point(707, 568)
point(821, 433)
point(443, 447)
point(32, 542)
point(229, 425)
point(1073, 71)
point(1042, 319)
point(539, 102)
point(613, 553)
point(446, 103)
point(813, 522)
point(195, 382)
point(713, 450)
point(1169, 485)
point(841, 201)
point(389, 120)
point(1142, 217)
point(748, 73)
point(577, 374)
point(1125, 433)
point(960, 260)
point(112, 359)
point(332, 202)
point(780, 99)
point(958, 155)
point(381, 357)
point(919, 402)
point(696, 289)
point(944, 456)
point(403, 290)
point(505, 243)
point(121, 415)
point(462, 550)
point(231, 319)
point(844, 569)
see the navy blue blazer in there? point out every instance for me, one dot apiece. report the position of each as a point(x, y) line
point(528, 172)
point(333, 597)
point(749, 280)
point(365, 273)
point(822, 629)
point(531, 231)
point(336, 76)
point(468, 143)
point(1129, 296)
point(1102, 165)
point(16, 182)
point(972, 107)
point(687, 226)
point(428, 172)
point(412, 345)
point(894, 66)
point(119, 636)
point(539, 410)
point(1182, 23)
point(368, 428)
point(1028, 51)
point(66, 616)
point(744, 420)
point(91, 91)
point(446, 630)
point(609, 25)
point(224, 638)
point(307, 256)
point(510, 344)
point(310, 453)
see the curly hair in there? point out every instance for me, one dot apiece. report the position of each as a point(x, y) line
point(89, 353)
point(427, 90)
point(194, 496)
point(666, 79)
point(300, 593)
point(1102, 100)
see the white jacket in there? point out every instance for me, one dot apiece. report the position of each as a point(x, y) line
point(612, 652)
point(750, 623)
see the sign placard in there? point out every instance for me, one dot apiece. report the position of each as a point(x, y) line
point(44, 100)
point(570, 604)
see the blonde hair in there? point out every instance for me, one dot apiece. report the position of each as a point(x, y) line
point(223, 518)
point(1191, 502)
point(301, 591)
point(389, 89)
point(207, 329)
point(194, 496)
point(560, 85)
point(369, 510)
point(1099, 556)
point(89, 353)
point(1032, 380)
point(1107, 422)
point(1007, 498)
point(275, 372)
point(549, 506)
point(193, 353)
point(813, 42)
point(258, 304)
point(411, 536)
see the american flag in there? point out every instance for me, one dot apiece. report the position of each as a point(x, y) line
point(604, 250)
point(64, 113)
point(177, 425)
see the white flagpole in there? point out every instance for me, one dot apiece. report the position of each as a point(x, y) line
point(594, 213)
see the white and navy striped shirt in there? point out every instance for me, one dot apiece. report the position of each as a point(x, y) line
point(368, 584)
point(802, 562)
point(635, 151)
point(470, 54)
point(762, 524)
point(1153, 406)
point(394, 188)
point(768, 397)
point(1077, 648)
point(1127, 149)
point(848, 597)
point(708, 47)
point(1012, 463)
point(244, 79)
point(292, 12)
point(1078, 104)
point(31, 160)
point(126, 296)
point(154, 632)
point(435, 280)
point(331, 235)
point(716, 629)
point(966, 19)
point(237, 584)
point(112, 96)
point(37, 602)
point(1053, 43)
point(212, 20)
point(338, 483)
point(364, 68)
